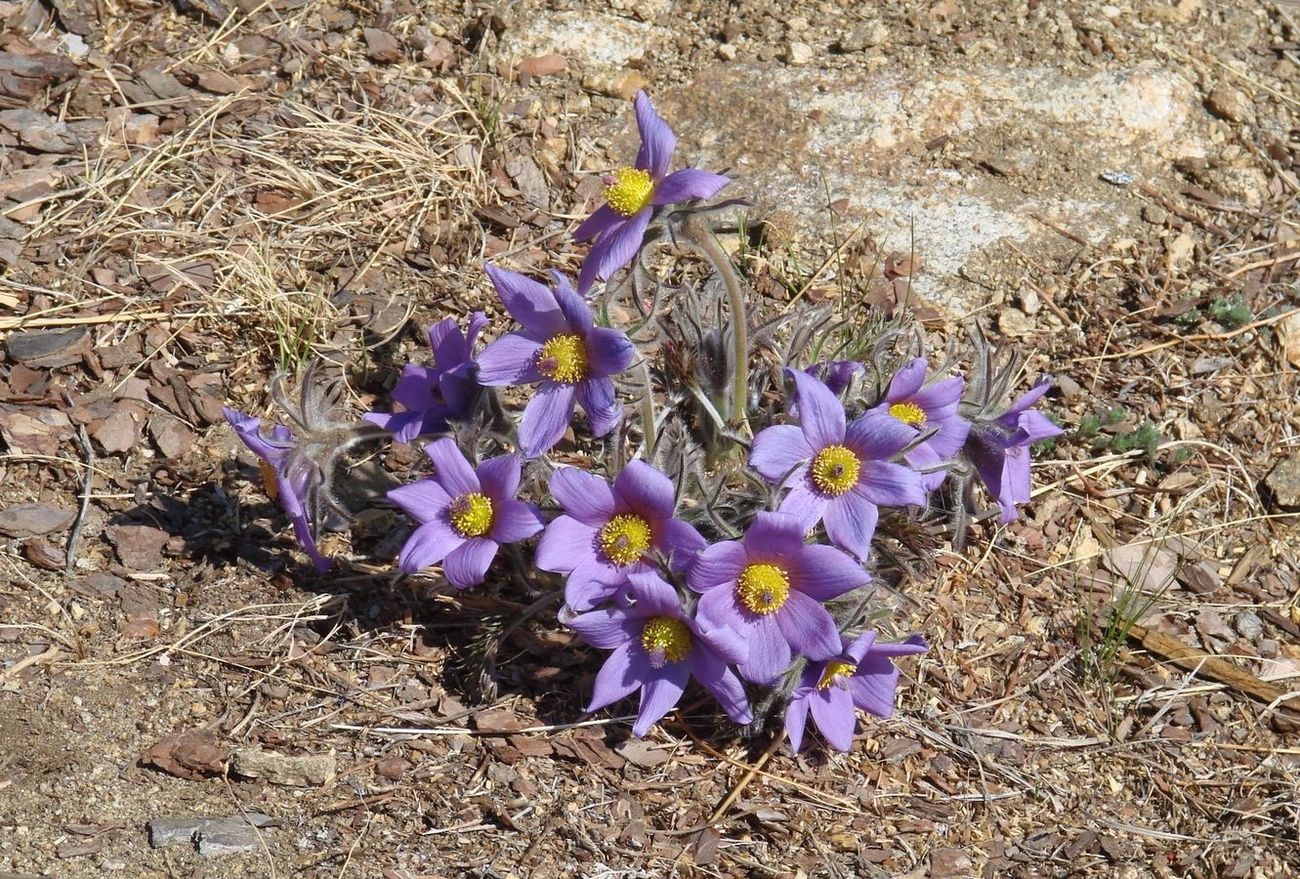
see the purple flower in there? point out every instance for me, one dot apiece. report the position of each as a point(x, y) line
point(768, 588)
point(929, 408)
point(464, 514)
point(560, 347)
point(835, 373)
point(432, 396)
point(862, 677)
point(999, 449)
point(632, 194)
point(657, 649)
point(608, 534)
point(286, 476)
point(836, 473)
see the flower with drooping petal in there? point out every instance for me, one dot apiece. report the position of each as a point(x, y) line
point(464, 514)
point(927, 408)
point(658, 649)
point(632, 194)
point(432, 396)
point(287, 476)
point(768, 588)
point(863, 676)
point(836, 473)
point(836, 374)
point(608, 533)
point(560, 347)
point(999, 449)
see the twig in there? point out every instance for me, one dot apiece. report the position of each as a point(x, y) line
point(1263, 264)
point(75, 537)
point(1198, 337)
point(750, 775)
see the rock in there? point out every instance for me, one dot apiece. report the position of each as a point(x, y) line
point(1288, 331)
point(224, 835)
point(866, 35)
point(1283, 483)
point(301, 770)
point(1067, 387)
point(596, 40)
point(950, 863)
point(33, 520)
point(1230, 103)
point(1179, 250)
point(24, 76)
point(49, 348)
point(1015, 323)
point(138, 546)
point(34, 431)
point(40, 132)
point(1030, 302)
point(727, 51)
point(624, 84)
point(797, 54)
point(528, 177)
point(44, 555)
point(382, 46)
point(543, 65)
point(392, 768)
point(118, 432)
point(1155, 214)
point(189, 754)
point(1248, 625)
point(171, 436)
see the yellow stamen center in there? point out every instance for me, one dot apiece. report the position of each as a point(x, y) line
point(471, 514)
point(763, 588)
point(836, 670)
point(563, 359)
point(630, 192)
point(835, 470)
point(666, 640)
point(625, 538)
point(908, 413)
point(270, 484)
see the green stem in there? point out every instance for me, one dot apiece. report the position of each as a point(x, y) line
point(647, 411)
point(702, 237)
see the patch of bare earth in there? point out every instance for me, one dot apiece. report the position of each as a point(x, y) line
point(194, 194)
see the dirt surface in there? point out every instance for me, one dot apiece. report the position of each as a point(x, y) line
point(192, 195)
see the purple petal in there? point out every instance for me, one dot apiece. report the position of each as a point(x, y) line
point(467, 565)
point(510, 360)
point(922, 457)
point(657, 139)
point(1030, 397)
point(851, 523)
point(247, 428)
point(546, 416)
point(428, 545)
point(679, 541)
point(1035, 426)
point(714, 675)
point(877, 436)
point(805, 505)
point(779, 449)
point(609, 351)
point(774, 536)
point(607, 629)
point(596, 396)
point(949, 437)
point(860, 646)
point(718, 610)
point(726, 641)
point(565, 544)
point(307, 540)
point(613, 250)
point(769, 652)
point(450, 469)
point(796, 716)
point(660, 693)
point(499, 477)
point(423, 501)
point(686, 184)
point(625, 670)
point(807, 627)
point(889, 485)
point(592, 582)
point(576, 311)
point(873, 686)
point(446, 342)
point(832, 711)
point(514, 521)
point(718, 565)
point(653, 595)
point(912, 645)
point(907, 381)
point(528, 302)
point(823, 572)
point(821, 414)
point(642, 489)
point(939, 396)
point(603, 218)
point(584, 496)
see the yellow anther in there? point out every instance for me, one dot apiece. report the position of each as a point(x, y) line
point(836, 670)
point(630, 192)
point(763, 588)
point(835, 470)
point(625, 538)
point(666, 640)
point(563, 359)
point(471, 514)
point(270, 484)
point(908, 413)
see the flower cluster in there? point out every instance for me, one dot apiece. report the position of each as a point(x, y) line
point(741, 563)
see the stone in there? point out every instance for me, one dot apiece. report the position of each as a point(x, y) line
point(293, 770)
point(1155, 214)
point(798, 54)
point(40, 132)
point(189, 754)
point(1179, 250)
point(1231, 103)
point(950, 863)
point(596, 40)
point(228, 835)
point(381, 46)
point(866, 35)
point(138, 546)
point(49, 348)
point(1283, 483)
point(620, 84)
point(543, 65)
point(1015, 323)
point(33, 520)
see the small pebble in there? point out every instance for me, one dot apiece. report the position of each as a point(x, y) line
point(1248, 625)
point(1155, 215)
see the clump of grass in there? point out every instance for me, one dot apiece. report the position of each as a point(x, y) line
point(1101, 429)
point(1230, 312)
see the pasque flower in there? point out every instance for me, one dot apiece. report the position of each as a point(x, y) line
point(768, 588)
point(927, 408)
point(998, 447)
point(632, 194)
point(287, 476)
point(836, 374)
point(432, 396)
point(560, 347)
point(863, 676)
point(658, 649)
point(609, 532)
point(464, 514)
point(837, 473)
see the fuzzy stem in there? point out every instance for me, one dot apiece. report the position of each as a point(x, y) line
point(647, 411)
point(702, 237)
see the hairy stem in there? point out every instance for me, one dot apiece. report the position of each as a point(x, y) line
point(647, 410)
point(702, 237)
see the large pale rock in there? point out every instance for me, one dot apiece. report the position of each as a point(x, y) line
point(593, 39)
